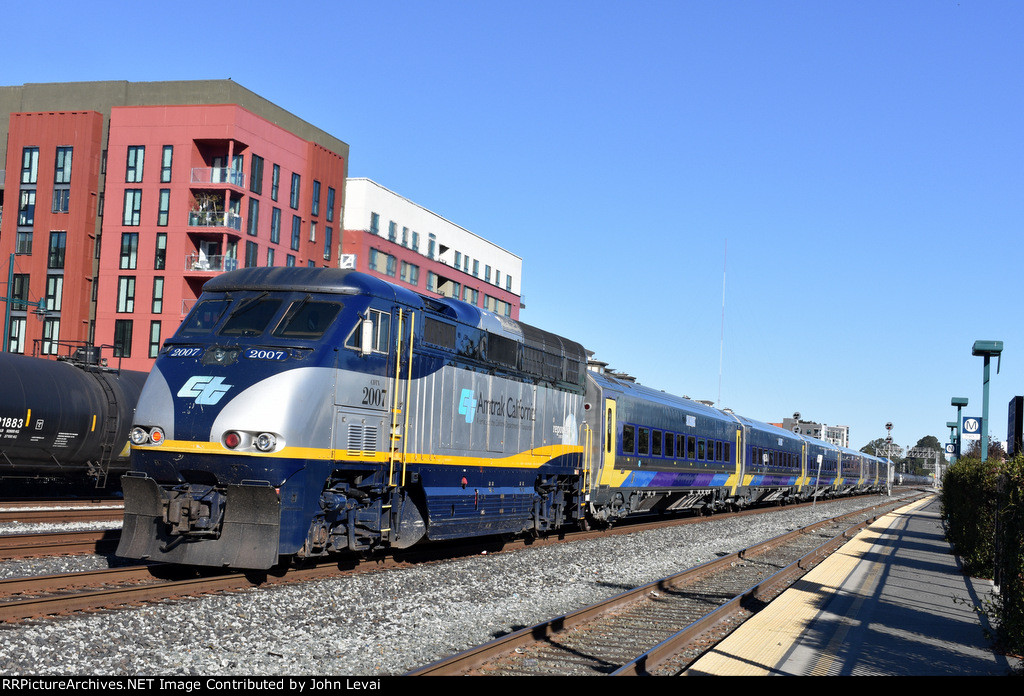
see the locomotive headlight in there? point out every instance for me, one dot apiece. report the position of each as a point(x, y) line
point(265, 442)
point(139, 436)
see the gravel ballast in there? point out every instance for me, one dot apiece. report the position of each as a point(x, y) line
point(380, 623)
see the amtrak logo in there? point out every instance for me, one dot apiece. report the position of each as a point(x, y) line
point(467, 405)
point(205, 390)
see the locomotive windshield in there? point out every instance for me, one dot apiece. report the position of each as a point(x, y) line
point(250, 317)
point(204, 317)
point(307, 320)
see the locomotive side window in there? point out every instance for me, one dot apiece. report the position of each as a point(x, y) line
point(645, 441)
point(700, 450)
point(718, 451)
point(691, 447)
point(381, 322)
point(670, 444)
point(307, 320)
point(728, 452)
point(250, 317)
point(203, 317)
point(656, 443)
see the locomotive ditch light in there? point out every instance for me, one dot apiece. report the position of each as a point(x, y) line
point(232, 440)
point(139, 436)
point(156, 435)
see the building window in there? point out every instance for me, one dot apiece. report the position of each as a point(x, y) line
point(471, 295)
point(132, 207)
point(290, 261)
point(165, 208)
point(508, 282)
point(330, 204)
point(160, 258)
point(133, 168)
point(416, 242)
point(458, 259)
point(23, 242)
point(126, 294)
point(154, 338)
point(123, 338)
point(19, 291)
point(158, 295)
point(315, 210)
point(328, 243)
point(476, 268)
point(487, 274)
point(16, 335)
point(27, 208)
point(129, 249)
point(275, 225)
point(410, 273)
point(165, 164)
point(312, 230)
point(275, 182)
point(293, 200)
point(431, 245)
point(29, 165)
point(270, 256)
point(51, 335)
point(62, 166)
point(296, 232)
point(254, 217)
point(375, 223)
point(256, 175)
point(61, 199)
point(390, 269)
point(55, 259)
point(252, 251)
point(392, 232)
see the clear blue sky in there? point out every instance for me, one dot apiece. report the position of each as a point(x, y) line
point(861, 161)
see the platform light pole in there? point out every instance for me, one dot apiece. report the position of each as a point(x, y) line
point(987, 350)
point(959, 402)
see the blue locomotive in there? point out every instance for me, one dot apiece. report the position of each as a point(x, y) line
point(298, 412)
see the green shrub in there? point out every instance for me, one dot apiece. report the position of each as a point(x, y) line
point(983, 507)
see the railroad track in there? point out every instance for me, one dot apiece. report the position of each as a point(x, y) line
point(61, 511)
point(58, 543)
point(659, 628)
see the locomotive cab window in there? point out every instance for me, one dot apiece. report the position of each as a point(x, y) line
point(203, 317)
point(250, 317)
point(307, 320)
point(379, 332)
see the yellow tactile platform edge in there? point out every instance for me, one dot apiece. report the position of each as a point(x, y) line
point(763, 641)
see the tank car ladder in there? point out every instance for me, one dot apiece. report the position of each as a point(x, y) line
point(398, 431)
point(109, 426)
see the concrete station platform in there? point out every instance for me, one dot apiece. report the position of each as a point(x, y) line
point(891, 602)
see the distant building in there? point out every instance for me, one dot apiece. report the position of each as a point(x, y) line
point(123, 198)
point(838, 435)
point(389, 236)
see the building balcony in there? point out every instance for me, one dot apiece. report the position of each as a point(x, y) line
point(206, 218)
point(218, 175)
point(203, 263)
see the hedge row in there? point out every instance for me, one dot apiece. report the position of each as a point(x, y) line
point(983, 506)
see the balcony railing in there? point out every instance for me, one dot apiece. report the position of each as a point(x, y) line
point(218, 175)
point(203, 218)
point(213, 264)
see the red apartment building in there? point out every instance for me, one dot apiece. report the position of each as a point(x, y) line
point(125, 207)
